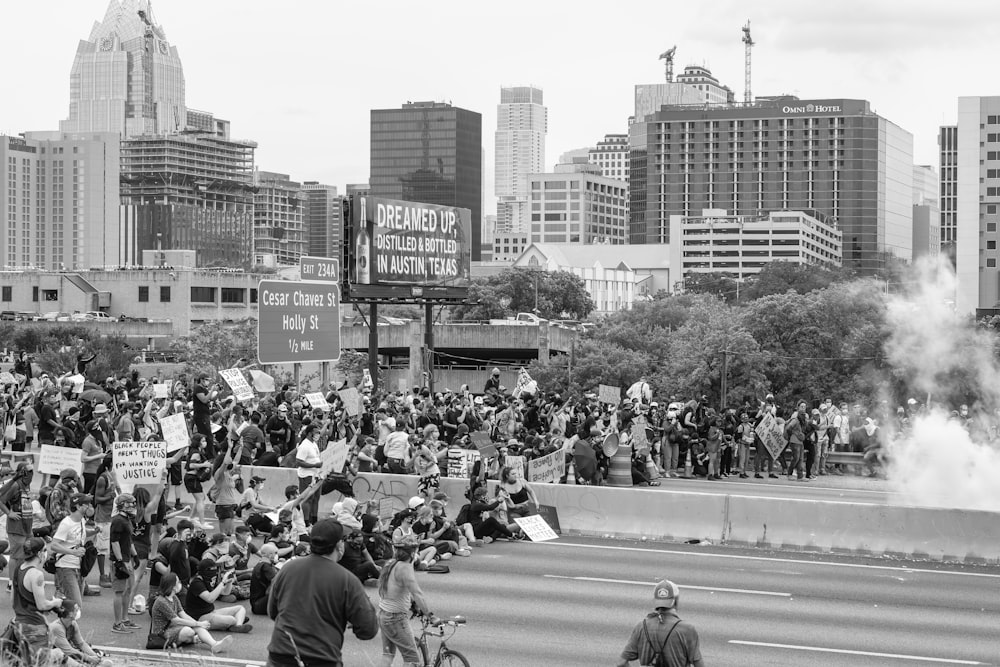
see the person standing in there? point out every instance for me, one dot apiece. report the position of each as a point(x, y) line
point(398, 590)
point(123, 561)
point(663, 634)
point(70, 536)
point(308, 461)
point(312, 600)
point(30, 602)
point(202, 401)
point(15, 504)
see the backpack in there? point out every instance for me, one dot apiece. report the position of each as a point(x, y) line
point(463, 514)
point(56, 507)
point(659, 660)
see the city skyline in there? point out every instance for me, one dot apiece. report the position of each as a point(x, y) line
point(889, 58)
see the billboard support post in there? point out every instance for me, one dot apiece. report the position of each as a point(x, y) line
point(373, 344)
point(429, 344)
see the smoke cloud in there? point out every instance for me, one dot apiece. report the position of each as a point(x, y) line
point(942, 355)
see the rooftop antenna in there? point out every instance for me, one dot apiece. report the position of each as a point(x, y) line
point(748, 42)
point(668, 56)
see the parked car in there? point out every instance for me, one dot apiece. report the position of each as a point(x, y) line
point(26, 316)
point(92, 316)
point(8, 316)
point(54, 316)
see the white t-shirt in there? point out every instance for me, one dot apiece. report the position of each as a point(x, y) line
point(308, 452)
point(71, 533)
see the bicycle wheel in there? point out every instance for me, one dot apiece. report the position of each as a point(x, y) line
point(451, 658)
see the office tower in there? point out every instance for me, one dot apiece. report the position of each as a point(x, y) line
point(976, 146)
point(188, 192)
point(835, 156)
point(947, 202)
point(611, 155)
point(278, 229)
point(322, 219)
point(700, 78)
point(576, 204)
point(430, 152)
point(926, 214)
point(126, 77)
point(522, 122)
point(357, 189)
point(59, 201)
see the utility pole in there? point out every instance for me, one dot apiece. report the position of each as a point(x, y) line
point(748, 42)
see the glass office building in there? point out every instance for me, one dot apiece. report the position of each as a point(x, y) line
point(430, 152)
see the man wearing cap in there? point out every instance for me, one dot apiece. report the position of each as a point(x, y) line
point(312, 601)
point(70, 536)
point(663, 633)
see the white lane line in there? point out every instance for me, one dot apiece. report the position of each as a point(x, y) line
point(907, 570)
point(164, 656)
point(895, 656)
point(714, 589)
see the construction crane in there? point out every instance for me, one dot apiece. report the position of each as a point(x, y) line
point(668, 56)
point(748, 45)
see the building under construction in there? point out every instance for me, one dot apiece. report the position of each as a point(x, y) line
point(190, 191)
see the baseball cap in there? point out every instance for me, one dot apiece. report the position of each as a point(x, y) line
point(415, 502)
point(67, 473)
point(665, 593)
point(282, 408)
point(326, 534)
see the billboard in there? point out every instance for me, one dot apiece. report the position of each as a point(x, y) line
point(297, 322)
point(408, 244)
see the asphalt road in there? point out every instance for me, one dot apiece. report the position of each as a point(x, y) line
point(847, 488)
point(574, 601)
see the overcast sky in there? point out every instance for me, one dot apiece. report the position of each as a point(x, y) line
point(299, 77)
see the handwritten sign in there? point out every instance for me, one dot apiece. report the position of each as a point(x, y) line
point(317, 400)
point(608, 394)
point(535, 528)
point(333, 457)
point(461, 461)
point(516, 465)
point(139, 462)
point(771, 435)
point(54, 460)
point(385, 508)
point(547, 469)
point(352, 400)
point(175, 432)
point(481, 441)
point(161, 390)
point(241, 388)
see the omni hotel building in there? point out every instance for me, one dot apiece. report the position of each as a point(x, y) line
point(833, 156)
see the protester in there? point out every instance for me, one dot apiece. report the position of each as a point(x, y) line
point(15, 503)
point(263, 574)
point(66, 636)
point(68, 543)
point(662, 634)
point(205, 589)
point(124, 560)
point(398, 592)
point(175, 627)
point(30, 602)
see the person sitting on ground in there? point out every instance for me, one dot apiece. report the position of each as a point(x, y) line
point(520, 500)
point(431, 533)
point(346, 515)
point(485, 529)
point(461, 534)
point(279, 538)
point(426, 554)
point(65, 635)
point(205, 589)
point(376, 542)
point(357, 559)
point(261, 577)
point(175, 627)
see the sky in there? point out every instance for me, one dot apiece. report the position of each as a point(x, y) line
point(300, 77)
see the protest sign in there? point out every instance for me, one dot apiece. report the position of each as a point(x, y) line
point(161, 390)
point(241, 388)
point(481, 441)
point(771, 434)
point(139, 462)
point(516, 464)
point(551, 516)
point(352, 400)
point(461, 461)
point(175, 432)
point(262, 382)
point(54, 460)
point(535, 528)
point(525, 385)
point(547, 469)
point(317, 400)
point(385, 509)
point(333, 457)
point(608, 394)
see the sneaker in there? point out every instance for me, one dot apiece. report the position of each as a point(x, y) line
point(465, 553)
point(178, 505)
point(445, 556)
point(106, 581)
point(132, 611)
point(773, 476)
point(477, 543)
point(121, 629)
point(242, 629)
point(487, 539)
point(91, 591)
point(222, 645)
point(743, 475)
point(128, 623)
point(757, 475)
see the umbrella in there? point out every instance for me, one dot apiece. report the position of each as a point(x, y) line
point(95, 396)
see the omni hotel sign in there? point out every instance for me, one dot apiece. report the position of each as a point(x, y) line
point(813, 108)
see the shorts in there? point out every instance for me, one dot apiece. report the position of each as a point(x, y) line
point(223, 512)
point(121, 585)
point(175, 474)
point(102, 541)
point(192, 485)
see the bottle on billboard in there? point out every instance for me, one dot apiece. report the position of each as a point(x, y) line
point(363, 249)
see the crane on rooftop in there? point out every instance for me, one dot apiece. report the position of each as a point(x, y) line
point(748, 44)
point(668, 56)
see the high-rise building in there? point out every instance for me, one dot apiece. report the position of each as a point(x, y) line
point(700, 78)
point(188, 192)
point(522, 121)
point(126, 77)
point(576, 204)
point(430, 152)
point(59, 201)
point(926, 214)
point(279, 235)
point(359, 189)
point(832, 156)
point(947, 202)
point(976, 141)
point(611, 155)
point(322, 219)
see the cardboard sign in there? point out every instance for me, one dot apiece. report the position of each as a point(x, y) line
point(385, 509)
point(516, 464)
point(139, 462)
point(771, 433)
point(608, 394)
point(241, 388)
point(535, 528)
point(547, 469)
point(161, 390)
point(334, 457)
point(640, 442)
point(317, 400)
point(175, 432)
point(366, 379)
point(551, 516)
point(54, 460)
point(461, 461)
point(352, 400)
point(481, 441)
point(262, 382)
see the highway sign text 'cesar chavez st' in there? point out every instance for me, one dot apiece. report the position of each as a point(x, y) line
point(297, 322)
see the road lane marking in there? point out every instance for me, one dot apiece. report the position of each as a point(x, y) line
point(907, 570)
point(714, 589)
point(896, 656)
point(166, 656)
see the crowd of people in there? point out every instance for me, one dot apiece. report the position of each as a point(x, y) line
point(209, 575)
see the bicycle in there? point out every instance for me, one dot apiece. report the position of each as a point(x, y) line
point(436, 627)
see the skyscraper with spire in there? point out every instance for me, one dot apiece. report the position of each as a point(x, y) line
point(126, 77)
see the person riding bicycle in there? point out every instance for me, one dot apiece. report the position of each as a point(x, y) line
point(662, 638)
point(398, 590)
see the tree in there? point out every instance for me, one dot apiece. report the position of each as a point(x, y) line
point(114, 356)
point(560, 295)
point(216, 346)
point(779, 277)
point(722, 285)
point(595, 362)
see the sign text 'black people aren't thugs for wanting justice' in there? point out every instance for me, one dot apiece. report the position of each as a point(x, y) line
point(297, 322)
point(405, 243)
